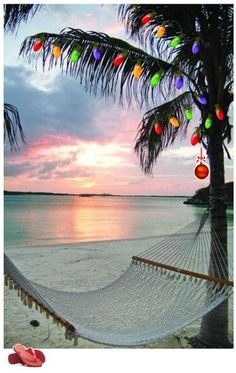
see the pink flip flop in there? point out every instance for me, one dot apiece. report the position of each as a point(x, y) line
point(26, 356)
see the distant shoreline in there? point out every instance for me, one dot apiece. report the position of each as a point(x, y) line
point(16, 193)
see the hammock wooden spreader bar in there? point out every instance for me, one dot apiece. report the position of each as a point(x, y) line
point(150, 300)
point(27, 298)
point(184, 271)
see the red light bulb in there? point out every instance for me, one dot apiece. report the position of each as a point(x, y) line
point(195, 139)
point(119, 60)
point(147, 18)
point(220, 113)
point(37, 45)
point(158, 128)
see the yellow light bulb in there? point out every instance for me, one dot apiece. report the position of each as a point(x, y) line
point(174, 121)
point(137, 71)
point(161, 31)
point(56, 51)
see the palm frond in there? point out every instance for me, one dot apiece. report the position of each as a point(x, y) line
point(191, 20)
point(213, 24)
point(12, 126)
point(209, 73)
point(148, 144)
point(15, 14)
point(102, 76)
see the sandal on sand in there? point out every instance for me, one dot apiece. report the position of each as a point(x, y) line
point(26, 356)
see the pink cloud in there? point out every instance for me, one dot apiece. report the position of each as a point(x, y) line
point(96, 167)
point(44, 143)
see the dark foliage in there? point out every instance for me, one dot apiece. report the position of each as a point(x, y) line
point(209, 73)
point(201, 197)
point(15, 14)
point(12, 126)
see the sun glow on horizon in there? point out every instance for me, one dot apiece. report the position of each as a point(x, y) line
point(101, 155)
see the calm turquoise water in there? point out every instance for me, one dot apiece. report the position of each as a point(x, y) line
point(41, 220)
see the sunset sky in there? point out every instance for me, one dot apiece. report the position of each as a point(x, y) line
point(76, 143)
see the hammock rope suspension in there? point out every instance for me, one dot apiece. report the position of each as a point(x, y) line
point(164, 289)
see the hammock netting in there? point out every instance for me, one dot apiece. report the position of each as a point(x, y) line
point(164, 289)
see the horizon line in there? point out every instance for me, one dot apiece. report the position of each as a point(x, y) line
point(91, 194)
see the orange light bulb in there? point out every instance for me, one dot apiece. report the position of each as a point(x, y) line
point(137, 71)
point(174, 121)
point(56, 51)
point(161, 31)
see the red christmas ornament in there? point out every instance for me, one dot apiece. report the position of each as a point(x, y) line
point(147, 18)
point(158, 128)
point(201, 171)
point(119, 59)
point(220, 113)
point(37, 45)
point(195, 139)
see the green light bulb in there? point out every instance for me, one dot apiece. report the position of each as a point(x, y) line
point(175, 42)
point(75, 55)
point(189, 114)
point(208, 123)
point(156, 79)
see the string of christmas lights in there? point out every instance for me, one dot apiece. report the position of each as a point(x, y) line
point(160, 32)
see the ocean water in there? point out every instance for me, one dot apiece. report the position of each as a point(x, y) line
point(32, 220)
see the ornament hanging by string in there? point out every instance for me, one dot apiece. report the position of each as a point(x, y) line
point(201, 170)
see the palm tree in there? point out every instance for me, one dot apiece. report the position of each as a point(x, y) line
point(15, 14)
point(187, 47)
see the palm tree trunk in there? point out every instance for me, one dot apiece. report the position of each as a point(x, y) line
point(214, 327)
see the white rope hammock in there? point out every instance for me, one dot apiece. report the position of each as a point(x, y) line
point(164, 289)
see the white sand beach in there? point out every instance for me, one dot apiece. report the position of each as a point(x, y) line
point(74, 267)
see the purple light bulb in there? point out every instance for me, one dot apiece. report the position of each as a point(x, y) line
point(179, 82)
point(97, 54)
point(202, 99)
point(196, 47)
